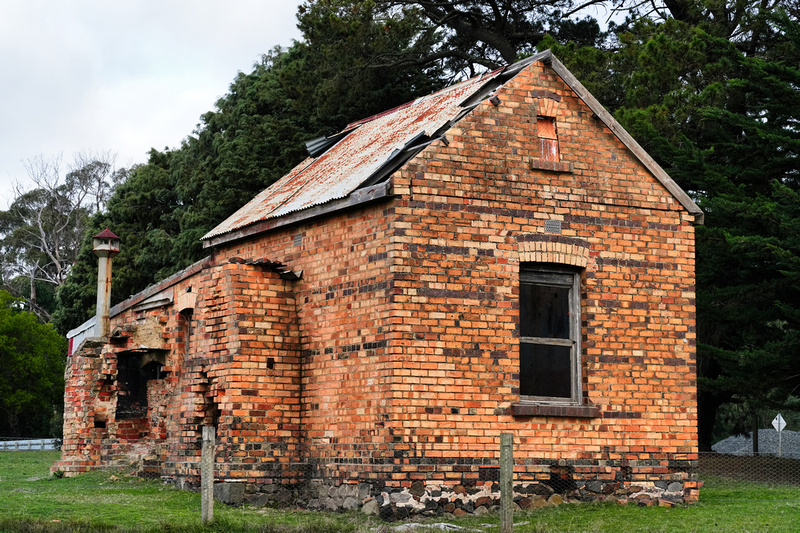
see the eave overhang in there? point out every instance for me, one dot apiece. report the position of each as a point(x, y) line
point(359, 197)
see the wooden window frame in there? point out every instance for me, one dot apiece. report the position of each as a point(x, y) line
point(549, 156)
point(561, 276)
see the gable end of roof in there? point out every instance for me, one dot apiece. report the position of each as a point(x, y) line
point(616, 128)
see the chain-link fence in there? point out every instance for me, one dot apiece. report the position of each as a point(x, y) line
point(761, 468)
point(433, 480)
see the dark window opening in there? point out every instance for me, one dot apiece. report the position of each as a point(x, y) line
point(186, 326)
point(547, 371)
point(549, 351)
point(131, 387)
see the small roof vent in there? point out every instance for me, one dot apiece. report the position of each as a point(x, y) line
point(320, 145)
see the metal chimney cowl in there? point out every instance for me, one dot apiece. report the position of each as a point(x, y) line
point(105, 245)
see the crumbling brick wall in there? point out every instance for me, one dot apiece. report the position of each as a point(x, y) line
point(345, 318)
point(241, 373)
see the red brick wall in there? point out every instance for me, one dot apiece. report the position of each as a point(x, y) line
point(402, 334)
point(344, 316)
point(241, 373)
point(93, 436)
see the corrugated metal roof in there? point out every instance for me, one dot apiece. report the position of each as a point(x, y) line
point(377, 145)
point(357, 157)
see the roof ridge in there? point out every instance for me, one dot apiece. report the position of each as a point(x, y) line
point(429, 96)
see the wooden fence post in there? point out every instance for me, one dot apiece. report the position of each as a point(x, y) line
point(207, 474)
point(506, 483)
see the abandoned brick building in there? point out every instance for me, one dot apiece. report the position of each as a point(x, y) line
point(500, 256)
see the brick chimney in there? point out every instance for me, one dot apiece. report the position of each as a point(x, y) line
point(105, 245)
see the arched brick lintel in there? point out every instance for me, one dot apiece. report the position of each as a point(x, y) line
point(554, 249)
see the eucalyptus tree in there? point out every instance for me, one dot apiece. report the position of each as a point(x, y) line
point(41, 231)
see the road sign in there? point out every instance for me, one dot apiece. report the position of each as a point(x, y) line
point(779, 423)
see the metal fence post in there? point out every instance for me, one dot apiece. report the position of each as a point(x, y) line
point(207, 474)
point(506, 483)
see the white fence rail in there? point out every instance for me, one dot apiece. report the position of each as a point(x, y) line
point(15, 445)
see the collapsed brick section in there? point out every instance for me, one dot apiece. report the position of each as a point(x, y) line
point(394, 358)
point(241, 324)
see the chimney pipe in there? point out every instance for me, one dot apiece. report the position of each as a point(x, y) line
point(105, 245)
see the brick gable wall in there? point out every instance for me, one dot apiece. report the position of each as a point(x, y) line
point(475, 208)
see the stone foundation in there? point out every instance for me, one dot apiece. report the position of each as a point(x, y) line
point(458, 500)
point(457, 487)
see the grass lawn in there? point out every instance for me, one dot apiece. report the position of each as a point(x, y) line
point(33, 501)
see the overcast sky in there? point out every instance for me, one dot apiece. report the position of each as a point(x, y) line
point(121, 76)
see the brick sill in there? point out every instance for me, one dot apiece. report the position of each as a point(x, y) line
point(566, 411)
point(554, 166)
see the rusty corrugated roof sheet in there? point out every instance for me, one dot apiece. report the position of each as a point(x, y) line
point(377, 145)
point(357, 157)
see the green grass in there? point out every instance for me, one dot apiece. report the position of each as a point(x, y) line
point(31, 500)
point(724, 507)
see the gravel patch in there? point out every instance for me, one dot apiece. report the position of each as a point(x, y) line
point(767, 444)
